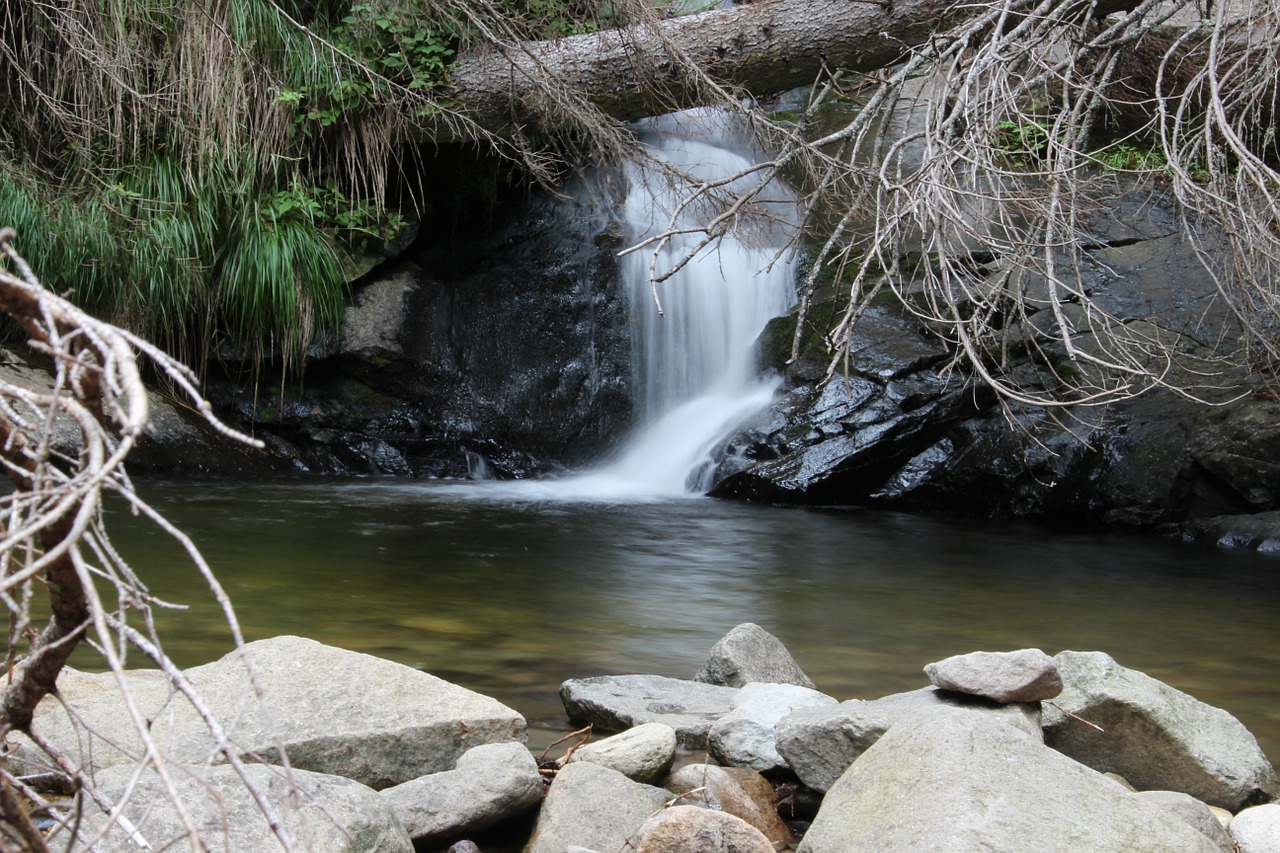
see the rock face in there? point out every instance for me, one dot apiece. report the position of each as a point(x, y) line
point(334, 711)
point(964, 783)
point(1155, 736)
point(688, 829)
point(619, 702)
point(642, 754)
point(1028, 675)
point(593, 807)
point(819, 744)
point(897, 434)
point(750, 653)
point(492, 783)
point(337, 815)
point(504, 350)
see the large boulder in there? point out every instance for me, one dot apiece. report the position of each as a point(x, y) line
point(964, 783)
point(896, 431)
point(330, 814)
point(1192, 812)
point(746, 737)
point(1257, 830)
point(333, 711)
point(615, 703)
point(593, 807)
point(820, 743)
point(491, 784)
point(750, 653)
point(642, 754)
point(1027, 675)
point(737, 791)
point(689, 829)
point(1157, 737)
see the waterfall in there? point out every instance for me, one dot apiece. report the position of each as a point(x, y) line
point(696, 370)
point(697, 377)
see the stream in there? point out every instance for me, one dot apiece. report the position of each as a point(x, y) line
point(509, 593)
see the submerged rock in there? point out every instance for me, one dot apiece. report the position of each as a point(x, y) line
point(965, 783)
point(1155, 736)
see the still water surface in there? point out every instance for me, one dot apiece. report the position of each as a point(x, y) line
point(509, 593)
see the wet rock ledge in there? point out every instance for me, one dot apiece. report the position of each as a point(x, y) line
point(1003, 751)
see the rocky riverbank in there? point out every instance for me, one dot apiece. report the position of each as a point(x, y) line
point(1009, 751)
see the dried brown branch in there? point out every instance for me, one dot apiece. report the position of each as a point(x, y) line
point(51, 534)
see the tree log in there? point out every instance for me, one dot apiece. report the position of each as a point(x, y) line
point(761, 48)
point(764, 47)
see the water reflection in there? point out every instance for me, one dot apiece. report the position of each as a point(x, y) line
point(509, 593)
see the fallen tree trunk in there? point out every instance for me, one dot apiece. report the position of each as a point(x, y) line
point(761, 48)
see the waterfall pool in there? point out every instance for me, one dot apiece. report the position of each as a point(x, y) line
point(509, 592)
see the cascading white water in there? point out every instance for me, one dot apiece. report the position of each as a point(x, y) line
point(697, 378)
point(696, 364)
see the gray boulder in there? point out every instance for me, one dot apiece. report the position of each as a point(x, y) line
point(594, 807)
point(642, 754)
point(745, 736)
point(737, 791)
point(1192, 812)
point(819, 744)
point(374, 327)
point(750, 653)
point(336, 815)
point(964, 783)
point(1155, 736)
point(614, 703)
point(689, 829)
point(1027, 675)
point(1257, 829)
point(491, 783)
point(334, 711)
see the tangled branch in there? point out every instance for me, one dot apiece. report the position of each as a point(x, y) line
point(52, 536)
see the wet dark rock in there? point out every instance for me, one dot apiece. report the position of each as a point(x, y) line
point(1260, 530)
point(506, 356)
point(896, 433)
